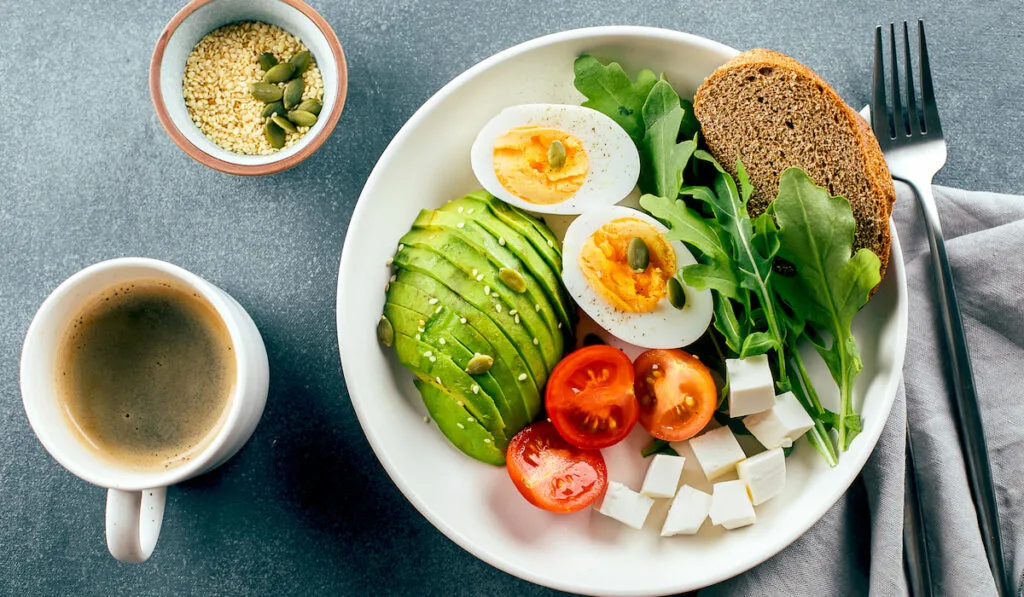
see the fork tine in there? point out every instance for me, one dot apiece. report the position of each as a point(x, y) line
point(912, 116)
point(899, 123)
point(928, 105)
point(879, 110)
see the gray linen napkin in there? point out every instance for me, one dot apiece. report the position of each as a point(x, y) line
point(857, 548)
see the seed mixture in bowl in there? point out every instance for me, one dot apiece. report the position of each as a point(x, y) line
point(227, 88)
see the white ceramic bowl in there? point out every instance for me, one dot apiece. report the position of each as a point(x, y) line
point(475, 504)
point(200, 17)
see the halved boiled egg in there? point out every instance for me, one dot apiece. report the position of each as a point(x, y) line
point(632, 304)
point(554, 158)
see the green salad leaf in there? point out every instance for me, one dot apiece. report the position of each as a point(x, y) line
point(664, 156)
point(609, 90)
point(831, 283)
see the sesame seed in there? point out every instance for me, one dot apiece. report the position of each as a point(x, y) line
point(471, 419)
point(460, 209)
point(426, 419)
point(417, 336)
point(480, 278)
point(442, 341)
point(437, 379)
point(428, 353)
point(390, 261)
point(537, 307)
point(460, 403)
point(471, 210)
point(461, 426)
point(393, 277)
point(559, 325)
point(535, 342)
point(476, 389)
point(400, 246)
point(475, 271)
point(421, 330)
point(513, 312)
point(432, 301)
point(433, 359)
point(487, 440)
point(460, 225)
point(497, 307)
point(517, 319)
point(522, 377)
point(439, 307)
point(551, 244)
point(422, 322)
point(462, 320)
point(501, 240)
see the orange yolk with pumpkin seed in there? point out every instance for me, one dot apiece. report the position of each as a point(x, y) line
point(521, 164)
point(605, 264)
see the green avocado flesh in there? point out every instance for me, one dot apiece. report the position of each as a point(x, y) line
point(447, 303)
point(453, 421)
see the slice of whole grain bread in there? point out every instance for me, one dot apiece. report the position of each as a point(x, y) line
point(772, 112)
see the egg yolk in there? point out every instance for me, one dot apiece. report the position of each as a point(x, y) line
point(605, 264)
point(522, 167)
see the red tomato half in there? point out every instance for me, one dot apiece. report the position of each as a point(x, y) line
point(589, 397)
point(676, 392)
point(552, 474)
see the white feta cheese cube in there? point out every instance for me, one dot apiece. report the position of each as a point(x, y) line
point(663, 476)
point(730, 505)
point(687, 513)
point(781, 425)
point(717, 451)
point(764, 474)
point(625, 505)
point(751, 387)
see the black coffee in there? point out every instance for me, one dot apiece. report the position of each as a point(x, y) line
point(145, 374)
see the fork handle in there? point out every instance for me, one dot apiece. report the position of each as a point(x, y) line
point(972, 434)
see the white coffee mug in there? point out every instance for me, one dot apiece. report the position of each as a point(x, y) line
point(135, 500)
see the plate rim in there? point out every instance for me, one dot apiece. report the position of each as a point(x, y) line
point(483, 553)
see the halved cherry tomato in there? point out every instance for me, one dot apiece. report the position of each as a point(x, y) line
point(676, 392)
point(552, 474)
point(589, 397)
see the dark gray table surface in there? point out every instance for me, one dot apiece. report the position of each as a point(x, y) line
point(87, 174)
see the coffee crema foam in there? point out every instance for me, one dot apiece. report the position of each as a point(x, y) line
point(145, 374)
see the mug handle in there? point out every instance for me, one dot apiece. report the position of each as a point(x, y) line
point(133, 522)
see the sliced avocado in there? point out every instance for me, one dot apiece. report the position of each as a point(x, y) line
point(533, 230)
point(413, 290)
point(443, 372)
point(508, 246)
point(437, 331)
point(482, 242)
point(514, 310)
point(453, 421)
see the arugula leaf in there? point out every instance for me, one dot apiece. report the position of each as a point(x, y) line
point(831, 282)
point(609, 90)
point(690, 126)
point(658, 446)
point(662, 153)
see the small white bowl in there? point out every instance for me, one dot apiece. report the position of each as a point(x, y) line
point(200, 17)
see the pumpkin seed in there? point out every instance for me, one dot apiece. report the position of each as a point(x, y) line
point(676, 294)
point(284, 123)
point(385, 332)
point(637, 254)
point(274, 108)
point(274, 135)
point(556, 155)
point(479, 364)
point(302, 118)
point(279, 73)
point(267, 61)
point(513, 279)
point(293, 93)
point(301, 62)
point(265, 92)
point(313, 106)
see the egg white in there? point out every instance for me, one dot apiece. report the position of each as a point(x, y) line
point(666, 326)
point(614, 164)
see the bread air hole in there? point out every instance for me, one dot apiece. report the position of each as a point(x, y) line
point(765, 70)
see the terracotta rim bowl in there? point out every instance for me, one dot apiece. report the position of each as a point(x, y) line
point(194, 20)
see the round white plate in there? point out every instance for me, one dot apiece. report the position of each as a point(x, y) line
point(475, 504)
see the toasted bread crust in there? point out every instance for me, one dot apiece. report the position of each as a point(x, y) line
point(772, 112)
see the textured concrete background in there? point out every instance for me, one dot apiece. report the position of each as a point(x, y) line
point(87, 174)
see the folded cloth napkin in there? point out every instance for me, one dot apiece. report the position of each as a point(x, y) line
point(857, 547)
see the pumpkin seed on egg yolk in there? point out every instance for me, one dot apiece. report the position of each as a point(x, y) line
point(604, 260)
point(522, 165)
